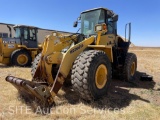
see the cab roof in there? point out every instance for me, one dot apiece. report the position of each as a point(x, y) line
point(110, 12)
point(25, 26)
point(33, 27)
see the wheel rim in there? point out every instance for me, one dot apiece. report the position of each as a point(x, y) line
point(22, 59)
point(101, 76)
point(133, 67)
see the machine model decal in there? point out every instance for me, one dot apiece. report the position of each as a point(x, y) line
point(7, 42)
point(77, 48)
point(10, 45)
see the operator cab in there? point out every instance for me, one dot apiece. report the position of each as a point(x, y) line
point(27, 35)
point(98, 16)
point(90, 18)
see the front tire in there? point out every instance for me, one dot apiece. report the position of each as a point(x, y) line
point(21, 58)
point(91, 74)
point(35, 64)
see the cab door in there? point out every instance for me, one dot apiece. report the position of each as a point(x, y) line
point(111, 35)
point(30, 38)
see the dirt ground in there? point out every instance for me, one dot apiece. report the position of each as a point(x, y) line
point(138, 100)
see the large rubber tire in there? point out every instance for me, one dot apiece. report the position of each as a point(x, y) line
point(130, 67)
point(21, 58)
point(35, 64)
point(83, 76)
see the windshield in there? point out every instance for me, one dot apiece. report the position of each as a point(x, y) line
point(17, 33)
point(90, 19)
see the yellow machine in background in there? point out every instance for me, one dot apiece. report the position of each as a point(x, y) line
point(21, 49)
point(88, 60)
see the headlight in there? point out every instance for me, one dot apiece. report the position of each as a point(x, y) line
point(100, 27)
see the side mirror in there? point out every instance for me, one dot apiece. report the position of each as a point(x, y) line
point(115, 17)
point(75, 24)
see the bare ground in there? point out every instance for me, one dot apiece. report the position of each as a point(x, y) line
point(125, 101)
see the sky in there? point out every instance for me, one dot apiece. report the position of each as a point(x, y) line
point(60, 15)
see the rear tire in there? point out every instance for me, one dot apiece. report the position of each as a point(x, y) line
point(21, 58)
point(130, 67)
point(91, 74)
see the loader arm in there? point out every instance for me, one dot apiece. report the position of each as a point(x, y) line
point(52, 54)
point(67, 62)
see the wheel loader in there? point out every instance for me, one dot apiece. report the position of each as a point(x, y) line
point(22, 49)
point(87, 60)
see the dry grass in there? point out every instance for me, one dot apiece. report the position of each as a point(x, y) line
point(125, 101)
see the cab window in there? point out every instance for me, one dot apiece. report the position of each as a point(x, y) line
point(26, 35)
point(32, 34)
point(110, 26)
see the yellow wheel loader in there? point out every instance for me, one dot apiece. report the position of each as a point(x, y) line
point(87, 59)
point(20, 50)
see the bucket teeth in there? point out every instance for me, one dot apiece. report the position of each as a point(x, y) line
point(16, 81)
point(32, 90)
